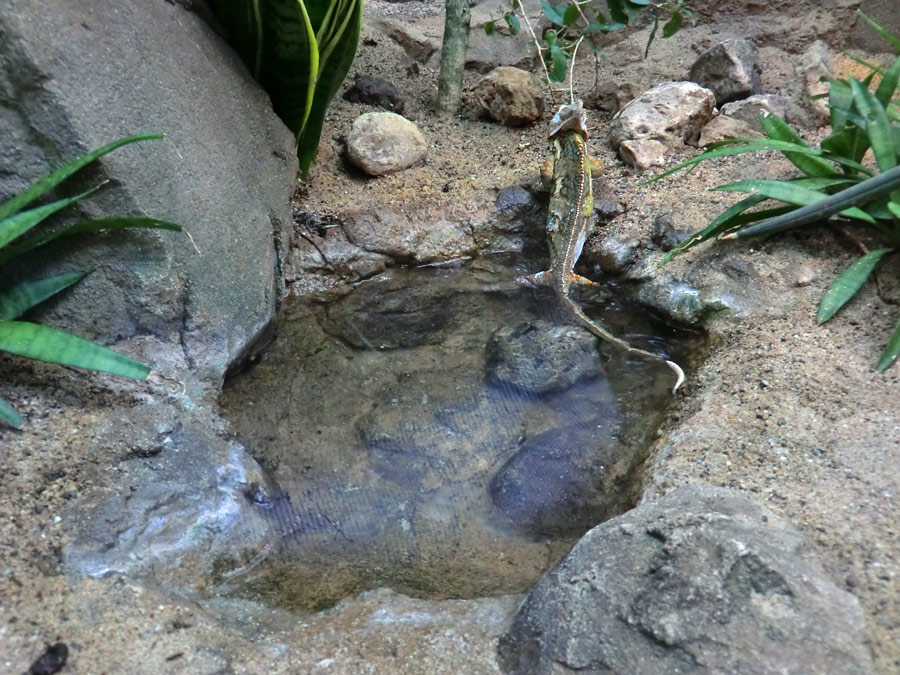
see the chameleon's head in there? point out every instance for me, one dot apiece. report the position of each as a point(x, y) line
point(569, 117)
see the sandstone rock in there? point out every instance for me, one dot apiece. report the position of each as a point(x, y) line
point(64, 95)
point(643, 153)
point(404, 239)
point(749, 109)
point(612, 96)
point(703, 580)
point(816, 65)
point(381, 142)
point(374, 91)
point(722, 127)
point(729, 68)
point(416, 44)
point(510, 96)
point(672, 113)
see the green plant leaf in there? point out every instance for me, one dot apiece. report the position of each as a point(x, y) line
point(859, 193)
point(886, 35)
point(52, 345)
point(337, 58)
point(18, 299)
point(617, 11)
point(54, 178)
point(559, 64)
point(779, 130)
point(489, 28)
point(673, 25)
point(890, 353)
point(848, 282)
point(553, 13)
point(790, 193)
point(652, 35)
point(9, 415)
point(878, 128)
point(19, 223)
point(602, 27)
point(512, 22)
point(34, 241)
point(571, 14)
point(888, 85)
point(894, 208)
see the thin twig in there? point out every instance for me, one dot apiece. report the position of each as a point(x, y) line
point(572, 71)
point(537, 46)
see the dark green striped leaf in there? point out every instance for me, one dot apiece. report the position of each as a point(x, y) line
point(878, 128)
point(54, 178)
point(779, 130)
point(848, 283)
point(790, 193)
point(9, 415)
point(18, 299)
point(891, 352)
point(52, 345)
point(19, 223)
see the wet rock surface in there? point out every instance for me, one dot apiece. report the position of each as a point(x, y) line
point(702, 580)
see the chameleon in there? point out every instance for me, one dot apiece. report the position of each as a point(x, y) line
point(569, 170)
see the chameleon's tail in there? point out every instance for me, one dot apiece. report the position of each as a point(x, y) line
point(604, 334)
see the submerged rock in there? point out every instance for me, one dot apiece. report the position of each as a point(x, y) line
point(542, 357)
point(703, 580)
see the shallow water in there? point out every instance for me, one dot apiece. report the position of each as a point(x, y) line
point(443, 431)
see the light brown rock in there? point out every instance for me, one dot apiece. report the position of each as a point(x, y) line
point(510, 96)
point(671, 113)
point(384, 142)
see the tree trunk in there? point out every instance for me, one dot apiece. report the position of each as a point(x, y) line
point(453, 56)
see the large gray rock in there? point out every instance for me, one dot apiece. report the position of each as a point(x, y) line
point(729, 68)
point(671, 113)
point(749, 109)
point(703, 580)
point(79, 74)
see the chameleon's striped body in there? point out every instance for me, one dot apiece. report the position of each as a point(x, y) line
point(568, 220)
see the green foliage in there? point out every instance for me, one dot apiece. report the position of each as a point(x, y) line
point(300, 52)
point(834, 180)
point(579, 19)
point(43, 343)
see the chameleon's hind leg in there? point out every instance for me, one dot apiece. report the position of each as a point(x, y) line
point(583, 281)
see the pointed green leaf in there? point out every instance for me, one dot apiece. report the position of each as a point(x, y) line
point(52, 345)
point(489, 28)
point(847, 284)
point(894, 208)
point(886, 35)
point(878, 128)
point(652, 35)
point(18, 299)
point(571, 14)
point(779, 130)
point(553, 13)
point(337, 58)
point(113, 223)
point(888, 85)
point(860, 193)
point(559, 64)
point(512, 23)
point(9, 415)
point(617, 11)
point(673, 25)
point(790, 193)
point(18, 224)
point(890, 353)
point(54, 178)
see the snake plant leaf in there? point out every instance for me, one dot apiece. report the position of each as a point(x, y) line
point(9, 415)
point(337, 51)
point(113, 223)
point(43, 343)
point(779, 130)
point(894, 208)
point(847, 138)
point(19, 298)
point(878, 127)
point(54, 178)
point(790, 194)
point(888, 85)
point(848, 282)
point(885, 34)
point(243, 24)
point(891, 352)
point(19, 223)
point(861, 192)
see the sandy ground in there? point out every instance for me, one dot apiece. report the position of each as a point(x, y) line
point(791, 413)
